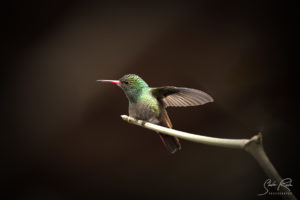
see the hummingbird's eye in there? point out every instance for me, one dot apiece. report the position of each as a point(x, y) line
point(126, 82)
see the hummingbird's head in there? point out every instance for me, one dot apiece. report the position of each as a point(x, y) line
point(131, 84)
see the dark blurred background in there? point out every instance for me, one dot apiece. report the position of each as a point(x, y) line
point(62, 135)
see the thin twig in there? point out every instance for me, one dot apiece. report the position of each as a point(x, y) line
point(253, 146)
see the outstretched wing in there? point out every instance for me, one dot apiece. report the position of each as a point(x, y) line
point(180, 97)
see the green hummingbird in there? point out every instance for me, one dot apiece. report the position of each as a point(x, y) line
point(149, 104)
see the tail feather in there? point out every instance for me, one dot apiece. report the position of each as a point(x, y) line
point(171, 143)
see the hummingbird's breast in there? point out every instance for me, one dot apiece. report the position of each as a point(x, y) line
point(147, 108)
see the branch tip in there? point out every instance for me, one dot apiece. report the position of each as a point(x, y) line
point(125, 117)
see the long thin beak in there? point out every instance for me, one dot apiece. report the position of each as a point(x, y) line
point(110, 81)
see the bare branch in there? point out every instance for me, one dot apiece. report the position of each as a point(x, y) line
point(253, 146)
point(230, 143)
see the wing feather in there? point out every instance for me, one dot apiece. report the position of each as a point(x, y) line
point(180, 96)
